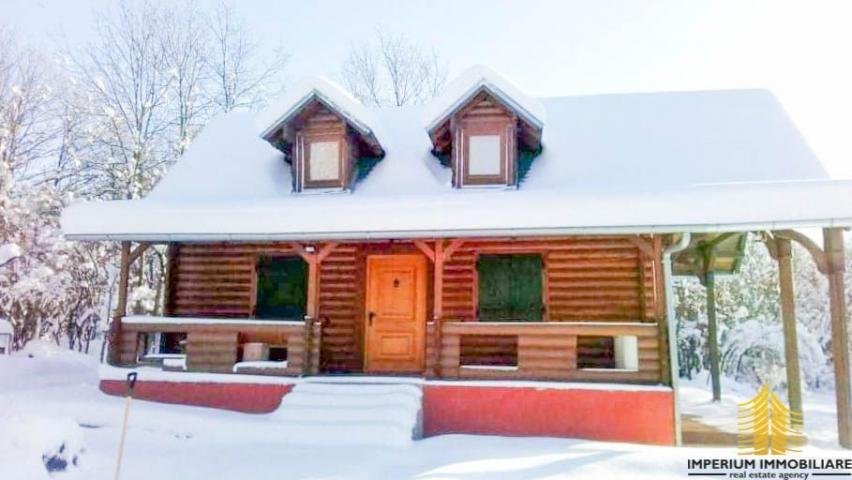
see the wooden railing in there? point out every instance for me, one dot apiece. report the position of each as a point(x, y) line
point(548, 351)
point(212, 344)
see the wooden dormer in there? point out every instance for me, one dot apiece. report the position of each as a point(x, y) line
point(483, 140)
point(323, 156)
point(324, 147)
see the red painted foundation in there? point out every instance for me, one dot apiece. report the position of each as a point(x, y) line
point(642, 416)
point(241, 397)
point(628, 416)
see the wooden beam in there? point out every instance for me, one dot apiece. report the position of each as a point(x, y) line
point(440, 255)
point(452, 247)
point(120, 304)
point(817, 253)
point(660, 310)
point(426, 249)
point(138, 251)
point(721, 238)
point(835, 266)
point(645, 246)
point(783, 252)
point(713, 336)
point(313, 328)
point(326, 250)
point(709, 280)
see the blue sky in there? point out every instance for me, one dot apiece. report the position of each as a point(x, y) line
point(801, 50)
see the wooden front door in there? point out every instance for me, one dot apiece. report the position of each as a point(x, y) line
point(395, 314)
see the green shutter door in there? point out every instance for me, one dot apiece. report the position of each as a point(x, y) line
point(526, 288)
point(495, 286)
point(281, 288)
point(510, 288)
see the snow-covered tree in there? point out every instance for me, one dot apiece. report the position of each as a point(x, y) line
point(750, 331)
point(105, 122)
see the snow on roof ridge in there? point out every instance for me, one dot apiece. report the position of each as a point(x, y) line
point(327, 91)
point(468, 83)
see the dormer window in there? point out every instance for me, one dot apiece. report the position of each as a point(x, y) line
point(488, 135)
point(325, 164)
point(326, 137)
point(484, 156)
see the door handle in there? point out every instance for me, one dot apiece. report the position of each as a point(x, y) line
point(370, 317)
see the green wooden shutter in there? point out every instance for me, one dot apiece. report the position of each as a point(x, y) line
point(510, 288)
point(282, 286)
point(526, 288)
point(495, 286)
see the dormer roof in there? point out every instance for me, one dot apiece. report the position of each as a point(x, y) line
point(474, 81)
point(479, 86)
point(273, 121)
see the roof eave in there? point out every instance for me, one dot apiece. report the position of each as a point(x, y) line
point(462, 233)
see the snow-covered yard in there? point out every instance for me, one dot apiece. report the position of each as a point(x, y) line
point(52, 399)
point(696, 399)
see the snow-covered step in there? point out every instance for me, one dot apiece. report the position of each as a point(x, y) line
point(316, 413)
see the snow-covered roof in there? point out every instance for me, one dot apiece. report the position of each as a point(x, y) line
point(629, 163)
point(6, 327)
point(325, 91)
point(472, 81)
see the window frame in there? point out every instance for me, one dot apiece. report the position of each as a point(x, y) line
point(545, 310)
point(305, 160)
point(476, 129)
point(255, 290)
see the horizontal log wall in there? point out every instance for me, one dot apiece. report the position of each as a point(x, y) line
point(215, 348)
point(341, 307)
point(587, 279)
point(548, 351)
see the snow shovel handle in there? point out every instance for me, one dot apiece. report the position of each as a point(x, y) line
point(131, 383)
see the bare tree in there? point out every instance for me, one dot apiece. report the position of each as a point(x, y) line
point(392, 70)
point(26, 127)
point(125, 77)
point(186, 43)
point(241, 77)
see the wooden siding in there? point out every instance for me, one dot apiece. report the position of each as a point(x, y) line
point(318, 123)
point(548, 351)
point(215, 347)
point(484, 116)
point(590, 278)
point(601, 279)
point(341, 306)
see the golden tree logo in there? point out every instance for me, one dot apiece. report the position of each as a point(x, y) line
point(766, 425)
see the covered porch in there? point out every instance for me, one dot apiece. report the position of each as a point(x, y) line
point(455, 343)
point(591, 310)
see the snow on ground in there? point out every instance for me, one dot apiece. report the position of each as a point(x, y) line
point(51, 402)
point(820, 410)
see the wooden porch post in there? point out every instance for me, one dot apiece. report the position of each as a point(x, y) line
point(713, 335)
point(438, 302)
point(783, 254)
point(114, 335)
point(836, 265)
point(310, 357)
point(709, 281)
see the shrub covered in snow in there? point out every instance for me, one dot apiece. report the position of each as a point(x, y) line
point(751, 337)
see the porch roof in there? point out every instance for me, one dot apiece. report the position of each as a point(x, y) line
point(632, 163)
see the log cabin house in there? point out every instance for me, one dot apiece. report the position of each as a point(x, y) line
point(508, 254)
